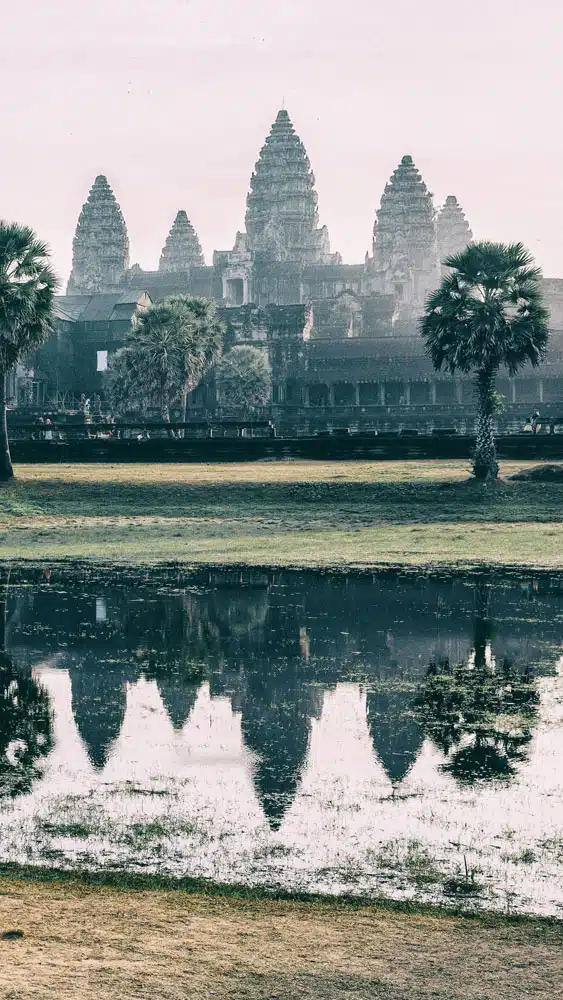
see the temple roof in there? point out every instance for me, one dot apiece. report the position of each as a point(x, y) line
point(453, 228)
point(101, 244)
point(282, 201)
point(405, 201)
point(182, 249)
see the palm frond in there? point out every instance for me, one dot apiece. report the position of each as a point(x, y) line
point(27, 289)
point(488, 312)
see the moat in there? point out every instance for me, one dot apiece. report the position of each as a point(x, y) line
point(387, 735)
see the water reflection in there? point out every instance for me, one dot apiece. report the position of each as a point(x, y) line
point(480, 713)
point(448, 660)
point(26, 720)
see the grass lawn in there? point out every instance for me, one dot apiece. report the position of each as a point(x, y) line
point(294, 514)
point(83, 942)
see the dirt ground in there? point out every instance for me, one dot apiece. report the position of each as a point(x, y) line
point(85, 943)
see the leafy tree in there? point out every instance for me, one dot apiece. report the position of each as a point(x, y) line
point(170, 348)
point(27, 289)
point(244, 377)
point(488, 313)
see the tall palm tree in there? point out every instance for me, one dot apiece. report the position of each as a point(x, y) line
point(488, 313)
point(27, 289)
point(169, 350)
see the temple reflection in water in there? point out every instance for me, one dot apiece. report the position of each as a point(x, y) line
point(449, 660)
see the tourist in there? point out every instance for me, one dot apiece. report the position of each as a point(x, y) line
point(49, 430)
point(40, 423)
point(536, 422)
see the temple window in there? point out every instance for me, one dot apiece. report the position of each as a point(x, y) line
point(101, 361)
point(234, 288)
point(394, 393)
point(420, 393)
point(527, 390)
point(318, 395)
point(344, 394)
point(293, 393)
point(553, 390)
point(369, 393)
point(445, 391)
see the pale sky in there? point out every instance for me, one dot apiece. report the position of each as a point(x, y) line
point(172, 100)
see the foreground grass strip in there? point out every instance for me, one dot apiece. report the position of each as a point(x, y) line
point(84, 941)
point(294, 514)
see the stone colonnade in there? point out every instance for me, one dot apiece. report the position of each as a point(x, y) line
point(524, 391)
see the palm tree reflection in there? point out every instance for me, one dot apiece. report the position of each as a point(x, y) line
point(480, 714)
point(26, 719)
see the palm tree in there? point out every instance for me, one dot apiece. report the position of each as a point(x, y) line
point(169, 350)
point(488, 313)
point(27, 289)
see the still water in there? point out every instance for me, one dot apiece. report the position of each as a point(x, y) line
point(381, 735)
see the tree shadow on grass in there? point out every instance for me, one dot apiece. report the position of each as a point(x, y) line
point(400, 503)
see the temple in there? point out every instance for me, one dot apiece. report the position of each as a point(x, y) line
point(342, 339)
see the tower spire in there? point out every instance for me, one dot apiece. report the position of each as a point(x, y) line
point(182, 249)
point(454, 232)
point(100, 250)
point(281, 207)
point(405, 251)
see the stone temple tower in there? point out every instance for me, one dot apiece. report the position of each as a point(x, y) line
point(100, 255)
point(453, 230)
point(281, 207)
point(405, 249)
point(182, 249)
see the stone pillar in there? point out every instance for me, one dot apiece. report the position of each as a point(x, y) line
point(382, 393)
point(331, 394)
point(407, 394)
point(459, 391)
point(433, 392)
point(513, 388)
point(540, 390)
point(356, 393)
point(306, 400)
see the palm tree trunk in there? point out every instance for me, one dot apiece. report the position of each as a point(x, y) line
point(485, 465)
point(184, 408)
point(6, 470)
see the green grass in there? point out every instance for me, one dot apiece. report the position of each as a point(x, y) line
point(294, 514)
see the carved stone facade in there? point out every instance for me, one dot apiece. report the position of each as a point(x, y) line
point(182, 249)
point(405, 248)
point(453, 231)
point(100, 255)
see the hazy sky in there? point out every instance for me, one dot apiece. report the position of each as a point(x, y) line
point(172, 100)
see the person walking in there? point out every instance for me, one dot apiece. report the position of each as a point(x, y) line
point(48, 430)
point(536, 422)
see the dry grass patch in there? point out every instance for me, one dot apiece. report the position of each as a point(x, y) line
point(83, 943)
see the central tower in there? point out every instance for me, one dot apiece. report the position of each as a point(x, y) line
point(281, 207)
